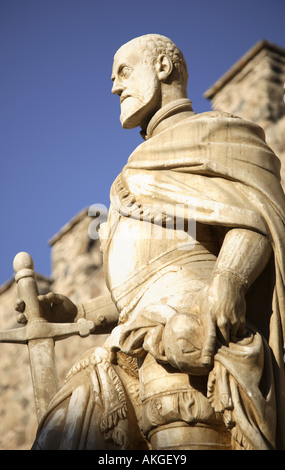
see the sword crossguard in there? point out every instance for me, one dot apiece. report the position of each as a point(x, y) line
point(38, 327)
point(43, 330)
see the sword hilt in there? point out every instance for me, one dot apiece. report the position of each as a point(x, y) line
point(39, 334)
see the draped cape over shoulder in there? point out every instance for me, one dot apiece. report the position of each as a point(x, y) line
point(221, 166)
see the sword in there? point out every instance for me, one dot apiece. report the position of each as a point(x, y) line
point(39, 334)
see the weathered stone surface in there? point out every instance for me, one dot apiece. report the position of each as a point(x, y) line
point(77, 261)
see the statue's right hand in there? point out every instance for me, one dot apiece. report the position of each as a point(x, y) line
point(56, 308)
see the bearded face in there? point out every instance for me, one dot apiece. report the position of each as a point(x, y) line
point(137, 84)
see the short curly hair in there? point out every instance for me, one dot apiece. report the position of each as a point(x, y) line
point(152, 45)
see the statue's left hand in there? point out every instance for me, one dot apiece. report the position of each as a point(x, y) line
point(222, 307)
point(56, 308)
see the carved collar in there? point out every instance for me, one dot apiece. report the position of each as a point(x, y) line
point(167, 116)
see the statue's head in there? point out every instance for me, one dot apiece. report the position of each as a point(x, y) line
point(148, 72)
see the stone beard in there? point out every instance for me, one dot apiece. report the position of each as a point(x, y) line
point(134, 105)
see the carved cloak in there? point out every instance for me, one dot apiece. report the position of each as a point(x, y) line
point(220, 166)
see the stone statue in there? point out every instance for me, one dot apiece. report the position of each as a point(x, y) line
point(195, 360)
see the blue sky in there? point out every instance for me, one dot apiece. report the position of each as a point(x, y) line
point(61, 142)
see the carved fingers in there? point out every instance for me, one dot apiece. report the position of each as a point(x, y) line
point(55, 308)
point(58, 307)
point(51, 297)
point(210, 343)
point(223, 310)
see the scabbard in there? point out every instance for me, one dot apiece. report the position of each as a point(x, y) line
point(44, 378)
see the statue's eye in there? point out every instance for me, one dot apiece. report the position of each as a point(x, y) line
point(125, 72)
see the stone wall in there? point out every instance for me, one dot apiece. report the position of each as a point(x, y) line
point(77, 261)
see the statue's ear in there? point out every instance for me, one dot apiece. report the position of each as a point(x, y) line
point(163, 67)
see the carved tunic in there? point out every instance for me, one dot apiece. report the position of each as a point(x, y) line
point(141, 257)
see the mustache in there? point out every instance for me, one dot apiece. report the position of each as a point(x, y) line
point(124, 96)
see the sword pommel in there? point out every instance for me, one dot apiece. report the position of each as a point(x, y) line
point(27, 287)
point(23, 260)
point(23, 266)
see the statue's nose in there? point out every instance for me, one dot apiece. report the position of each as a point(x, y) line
point(117, 87)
